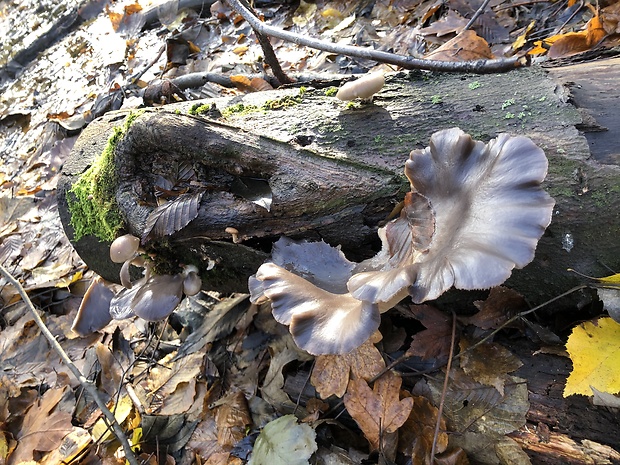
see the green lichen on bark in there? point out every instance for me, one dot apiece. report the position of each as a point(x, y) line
point(92, 199)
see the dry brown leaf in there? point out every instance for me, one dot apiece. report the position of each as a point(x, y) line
point(576, 42)
point(416, 435)
point(489, 364)
point(501, 304)
point(169, 373)
point(377, 411)
point(283, 351)
point(232, 418)
point(433, 342)
point(467, 46)
point(452, 22)
point(250, 85)
point(330, 375)
point(44, 427)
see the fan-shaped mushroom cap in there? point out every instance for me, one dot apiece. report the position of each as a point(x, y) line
point(490, 209)
point(158, 297)
point(94, 311)
point(364, 87)
point(124, 248)
point(320, 322)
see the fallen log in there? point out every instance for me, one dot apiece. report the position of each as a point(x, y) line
point(334, 171)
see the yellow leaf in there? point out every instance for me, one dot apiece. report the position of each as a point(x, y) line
point(594, 349)
point(538, 48)
point(520, 42)
point(65, 282)
point(614, 280)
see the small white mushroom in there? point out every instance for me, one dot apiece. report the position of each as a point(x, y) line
point(234, 233)
point(124, 248)
point(364, 87)
point(191, 281)
point(94, 311)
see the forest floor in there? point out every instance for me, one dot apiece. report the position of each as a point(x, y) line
point(200, 387)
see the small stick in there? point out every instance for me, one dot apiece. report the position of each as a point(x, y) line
point(270, 56)
point(444, 389)
point(478, 12)
point(478, 66)
point(89, 386)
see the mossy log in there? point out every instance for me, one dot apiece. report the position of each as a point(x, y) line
point(335, 171)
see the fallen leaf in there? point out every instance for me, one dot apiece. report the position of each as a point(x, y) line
point(172, 216)
point(473, 406)
point(284, 442)
point(451, 22)
point(434, 341)
point(501, 304)
point(45, 425)
point(330, 375)
point(232, 418)
point(416, 435)
point(467, 46)
point(572, 43)
point(250, 85)
point(377, 411)
point(489, 364)
point(283, 351)
point(594, 348)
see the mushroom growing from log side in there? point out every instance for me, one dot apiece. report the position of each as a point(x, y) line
point(364, 87)
point(475, 212)
point(151, 298)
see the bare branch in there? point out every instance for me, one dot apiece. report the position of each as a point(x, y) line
point(89, 386)
point(270, 55)
point(478, 66)
point(478, 12)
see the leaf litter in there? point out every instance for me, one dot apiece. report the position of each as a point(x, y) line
point(197, 386)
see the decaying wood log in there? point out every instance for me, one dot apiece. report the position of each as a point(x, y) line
point(335, 171)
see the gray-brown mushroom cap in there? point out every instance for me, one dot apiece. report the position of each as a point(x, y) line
point(94, 311)
point(158, 297)
point(490, 209)
point(320, 322)
point(124, 248)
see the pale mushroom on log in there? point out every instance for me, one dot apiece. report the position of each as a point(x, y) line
point(335, 173)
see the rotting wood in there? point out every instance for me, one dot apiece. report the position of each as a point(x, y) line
point(336, 170)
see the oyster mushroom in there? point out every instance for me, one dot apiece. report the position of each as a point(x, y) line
point(364, 87)
point(475, 212)
point(94, 311)
point(158, 297)
point(126, 249)
point(153, 298)
point(191, 281)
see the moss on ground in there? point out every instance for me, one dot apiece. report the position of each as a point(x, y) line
point(92, 199)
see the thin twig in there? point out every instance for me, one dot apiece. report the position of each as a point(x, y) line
point(90, 388)
point(518, 316)
point(478, 66)
point(403, 358)
point(444, 389)
point(478, 12)
point(270, 56)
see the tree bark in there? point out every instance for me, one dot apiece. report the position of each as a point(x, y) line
point(336, 171)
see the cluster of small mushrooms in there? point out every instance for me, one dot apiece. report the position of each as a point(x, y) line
point(474, 213)
point(152, 297)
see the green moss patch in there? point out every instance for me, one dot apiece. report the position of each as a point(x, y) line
point(92, 199)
